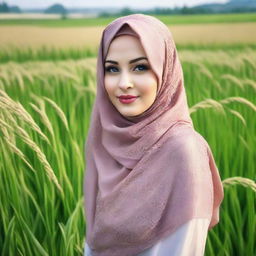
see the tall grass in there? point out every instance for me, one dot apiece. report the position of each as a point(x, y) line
point(44, 118)
point(24, 54)
point(44, 110)
point(12, 53)
point(221, 89)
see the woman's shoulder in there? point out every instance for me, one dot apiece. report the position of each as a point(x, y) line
point(186, 139)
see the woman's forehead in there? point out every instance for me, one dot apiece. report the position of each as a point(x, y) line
point(125, 45)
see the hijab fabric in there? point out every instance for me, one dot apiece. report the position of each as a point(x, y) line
point(148, 175)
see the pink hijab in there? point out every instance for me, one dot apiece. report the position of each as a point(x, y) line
point(146, 176)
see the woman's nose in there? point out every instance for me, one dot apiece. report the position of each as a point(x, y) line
point(125, 81)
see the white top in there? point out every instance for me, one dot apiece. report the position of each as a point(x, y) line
point(188, 240)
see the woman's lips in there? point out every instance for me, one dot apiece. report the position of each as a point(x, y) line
point(127, 100)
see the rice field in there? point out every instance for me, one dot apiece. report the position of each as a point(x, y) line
point(89, 36)
point(46, 97)
point(44, 118)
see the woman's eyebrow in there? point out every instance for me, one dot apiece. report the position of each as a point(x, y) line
point(131, 61)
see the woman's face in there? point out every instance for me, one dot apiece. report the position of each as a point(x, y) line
point(128, 72)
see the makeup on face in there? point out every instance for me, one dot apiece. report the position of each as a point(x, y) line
point(129, 80)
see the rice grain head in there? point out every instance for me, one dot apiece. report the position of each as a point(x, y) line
point(58, 111)
point(240, 100)
point(233, 80)
point(41, 156)
point(44, 118)
point(15, 108)
point(248, 183)
point(208, 103)
point(205, 71)
point(13, 148)
point(237, 114)
point(249, 61)
point(250, 82)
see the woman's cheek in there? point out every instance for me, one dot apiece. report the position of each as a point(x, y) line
point(109, 84)
point(149, 86)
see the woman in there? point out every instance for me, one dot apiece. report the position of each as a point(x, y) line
point(151, 184)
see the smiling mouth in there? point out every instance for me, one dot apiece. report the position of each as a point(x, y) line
point(127, 100)
point(127, 96)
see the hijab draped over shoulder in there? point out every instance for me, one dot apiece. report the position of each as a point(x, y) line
point(150, 174)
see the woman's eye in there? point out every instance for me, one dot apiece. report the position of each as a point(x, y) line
point(108, 69)
point(112, 69)
point(142, 67)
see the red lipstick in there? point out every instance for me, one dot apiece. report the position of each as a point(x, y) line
point(126, 99)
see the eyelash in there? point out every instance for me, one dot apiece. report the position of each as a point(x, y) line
point(107, 69)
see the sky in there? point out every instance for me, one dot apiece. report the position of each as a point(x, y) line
point(109, 3)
